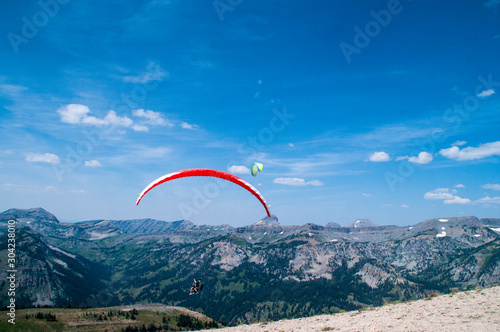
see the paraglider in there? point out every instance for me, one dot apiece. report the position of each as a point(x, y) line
point(255, 168)
point(210, 173)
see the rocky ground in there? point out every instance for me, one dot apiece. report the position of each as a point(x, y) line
point(477, 310)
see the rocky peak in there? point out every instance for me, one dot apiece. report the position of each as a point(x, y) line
point(267, 222)
point(361, 223)
point(29, 215)
point(332, 224)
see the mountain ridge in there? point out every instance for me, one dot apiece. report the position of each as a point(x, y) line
point(269, 271)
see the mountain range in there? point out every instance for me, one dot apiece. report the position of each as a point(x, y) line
point(264, 271)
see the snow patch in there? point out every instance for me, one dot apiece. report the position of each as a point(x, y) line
point(443, 220)
point(310, 234)
point(282, 232)
point(477, 235)
point(61, 251)
point(442, 234)
point(495, 229)
point(410, 228)
point(60, 262)
point(99, 236)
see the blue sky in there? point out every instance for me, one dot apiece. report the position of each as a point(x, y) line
point(387, 110)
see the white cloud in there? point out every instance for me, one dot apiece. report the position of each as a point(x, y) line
point(457, 200)
point(422, 158)
point(153, 118)
point(92, 163)
point(444, 194)
point(291, 145)
point(186, 125)
point(43, 158)
point(366, 195)
point(405, 206)
point(471, 153)
point(297, 182)
point(116, 120)
point(486, 93)
point(459, 143)
point(401, 158)
point(238, 169)
point(439, 193)
point(460, 186)
point(78, 114)
point(493, 186)
point(73, 113)
point(380, 156)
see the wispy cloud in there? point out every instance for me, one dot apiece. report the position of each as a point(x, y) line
point(439, 193)
point(492, 186)
point(153, 73)
point(472, 153)
point(140, 128)
point(459, 143)
point(315, 164)
point(186, 125)
point(12, 90)
point(92, 163)
point(48, 158)
point(297, 182)
point(151, 118)
point(492, 3)
point(489, 200)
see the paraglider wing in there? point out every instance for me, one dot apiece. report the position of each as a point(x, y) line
point(255, 168)
point(210, 173)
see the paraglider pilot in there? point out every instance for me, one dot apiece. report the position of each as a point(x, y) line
point(197, 286)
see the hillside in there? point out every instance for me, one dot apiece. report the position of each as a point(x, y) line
point(476, 310)
point(139, 317)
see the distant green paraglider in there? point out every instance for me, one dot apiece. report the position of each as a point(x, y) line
point(255, 168)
